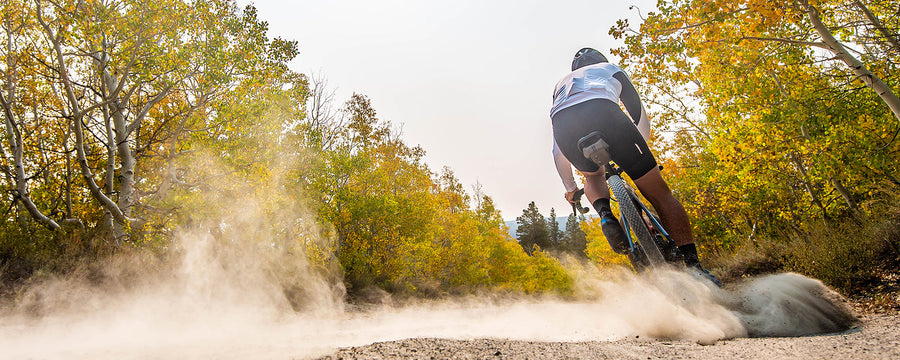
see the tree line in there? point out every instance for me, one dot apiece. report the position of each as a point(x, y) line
point(127, 122)
point(534, 232)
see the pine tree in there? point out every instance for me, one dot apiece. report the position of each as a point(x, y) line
point(574, 239)
point(532, 229)
point(555, 236)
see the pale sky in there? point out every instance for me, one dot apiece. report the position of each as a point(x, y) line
point(468, 80)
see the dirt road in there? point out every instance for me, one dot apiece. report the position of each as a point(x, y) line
point(660, 314)
point(877, 337)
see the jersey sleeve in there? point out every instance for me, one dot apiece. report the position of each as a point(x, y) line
point(632, 101)
point(564, 168)
point(629, 97)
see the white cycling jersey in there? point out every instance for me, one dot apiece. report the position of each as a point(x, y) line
point(590, 82)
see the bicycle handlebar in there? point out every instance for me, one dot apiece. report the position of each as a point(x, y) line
point(576, 203)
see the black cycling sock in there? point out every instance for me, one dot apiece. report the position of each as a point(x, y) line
point(602, 206)
point(689, 252)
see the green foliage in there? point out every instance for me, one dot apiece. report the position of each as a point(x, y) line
point(773, 129)
point(553, 233)
point(532, 230)
point(574, 239)
point(214, 116)
point(116, 97)
point(402, 227)
point(536, 232)
point(158, 88)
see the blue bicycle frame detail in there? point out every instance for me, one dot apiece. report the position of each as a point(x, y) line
point(653, 219)
point(624, 222)
point(643, 208)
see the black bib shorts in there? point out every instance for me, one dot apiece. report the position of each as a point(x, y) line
point(626, 145)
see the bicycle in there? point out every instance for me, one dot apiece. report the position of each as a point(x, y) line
point(649, 243)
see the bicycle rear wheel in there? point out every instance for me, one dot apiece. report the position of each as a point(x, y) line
point(636, 221)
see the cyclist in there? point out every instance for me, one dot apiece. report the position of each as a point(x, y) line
point(586, 100)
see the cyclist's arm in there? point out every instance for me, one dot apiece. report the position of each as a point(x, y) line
point(632, 101)
point(564, 167)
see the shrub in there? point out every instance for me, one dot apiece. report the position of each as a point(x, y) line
point(847, 256)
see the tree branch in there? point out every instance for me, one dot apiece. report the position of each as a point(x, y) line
point(857, 67)
point(878, 25)
point(820, 45)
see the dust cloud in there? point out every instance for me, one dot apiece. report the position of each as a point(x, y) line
point(242, 287)
point(222, 301)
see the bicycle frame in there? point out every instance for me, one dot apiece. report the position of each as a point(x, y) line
point(642, 208)
point(639, 223)
point(649, 244)
point(654, 220)
point(643, 211)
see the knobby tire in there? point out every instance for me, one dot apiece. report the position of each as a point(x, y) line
point(636, 221)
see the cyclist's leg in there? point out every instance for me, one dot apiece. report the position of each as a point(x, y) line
point(595, 186)
point(630, 151)
point(671, 212)
point(673, 217)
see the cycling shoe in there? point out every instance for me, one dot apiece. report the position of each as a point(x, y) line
point(614, 234)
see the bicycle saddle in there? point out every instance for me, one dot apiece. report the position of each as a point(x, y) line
point(595, 148)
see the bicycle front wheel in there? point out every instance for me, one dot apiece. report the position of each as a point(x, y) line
point(636, 221)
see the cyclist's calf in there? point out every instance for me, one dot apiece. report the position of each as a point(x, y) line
point(671, 211)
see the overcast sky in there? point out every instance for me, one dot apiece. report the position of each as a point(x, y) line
point(468, 80)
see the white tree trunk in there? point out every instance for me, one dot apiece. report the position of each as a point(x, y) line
point(15, 137)
point(890, 38)
point(77, 114)
point(859, 69)
point(123, 150)
point(15, 142)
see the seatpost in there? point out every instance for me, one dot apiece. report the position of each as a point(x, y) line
point(611, 170)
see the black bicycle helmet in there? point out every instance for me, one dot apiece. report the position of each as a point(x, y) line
point(587, 56)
